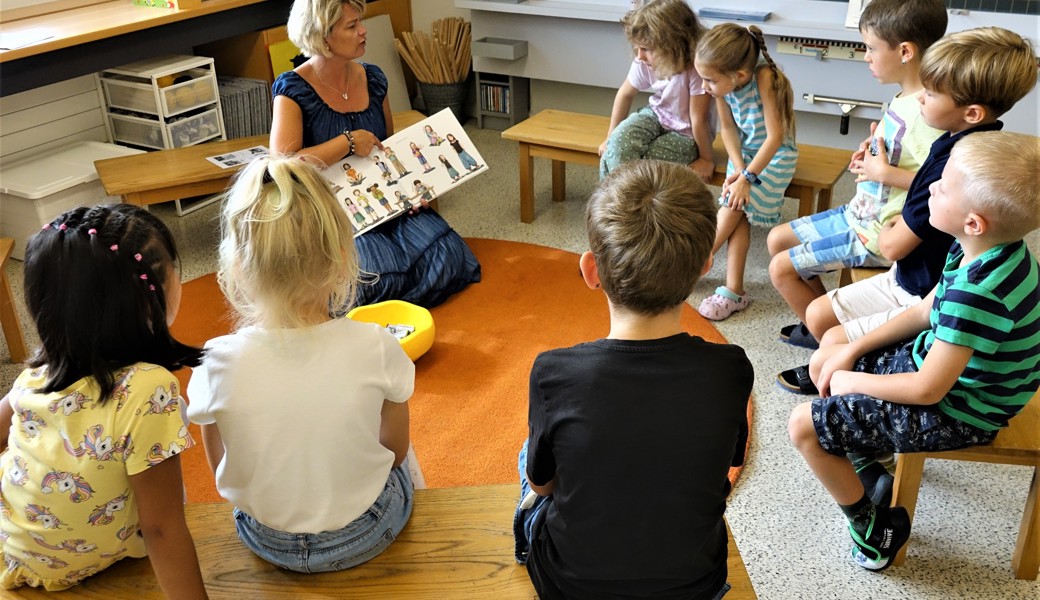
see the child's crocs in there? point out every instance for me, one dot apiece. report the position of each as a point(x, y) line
point(722, 304)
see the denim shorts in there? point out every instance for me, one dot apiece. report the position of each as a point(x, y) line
point(828, 243)
point(862, 424)
point(361, 540)
point(527, 520)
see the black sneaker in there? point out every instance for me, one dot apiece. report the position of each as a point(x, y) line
point(888, 532)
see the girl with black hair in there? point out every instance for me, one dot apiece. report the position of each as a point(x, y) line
point(90, 471)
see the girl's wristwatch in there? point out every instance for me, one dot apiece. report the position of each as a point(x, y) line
point(751, 177)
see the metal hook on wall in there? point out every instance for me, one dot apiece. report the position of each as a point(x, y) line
point(846, 105)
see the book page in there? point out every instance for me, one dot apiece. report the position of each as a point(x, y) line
point(415, 166)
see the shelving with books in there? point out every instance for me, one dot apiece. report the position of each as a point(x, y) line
point(502, 100)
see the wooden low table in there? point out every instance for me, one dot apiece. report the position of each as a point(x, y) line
point(566, 137)
point(167, 175)
point(457, 544)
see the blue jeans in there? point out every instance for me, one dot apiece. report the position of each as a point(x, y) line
point(361, 540)
point(525, 518)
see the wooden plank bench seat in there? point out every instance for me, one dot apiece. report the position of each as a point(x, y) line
point(458, 544)
point(567, 137)
point(166, 175)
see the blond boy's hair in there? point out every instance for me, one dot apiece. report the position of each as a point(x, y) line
point(669, 28)
point(920, 22)
point(990, 66)
point(651, 226)
point(1000, 180)
point(287, 246)
point(311, 21)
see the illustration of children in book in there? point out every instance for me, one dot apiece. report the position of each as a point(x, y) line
point(392, 157)
point(366, 205)
point(467, 160)
point(379, 196)
point(419, 156)
point(403, 202)
point(451, 170)
point(423, 192)
point(353, 176)
point(435, 140)
point(384, 171)
point(355, 213)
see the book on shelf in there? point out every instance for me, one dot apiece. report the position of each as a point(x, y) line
point(416, 165)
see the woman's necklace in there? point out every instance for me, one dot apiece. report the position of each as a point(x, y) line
point(344, 94)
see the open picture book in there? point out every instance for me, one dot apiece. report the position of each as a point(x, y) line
point(416, 164)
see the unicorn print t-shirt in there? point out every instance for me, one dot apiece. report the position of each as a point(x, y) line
point(68, 509)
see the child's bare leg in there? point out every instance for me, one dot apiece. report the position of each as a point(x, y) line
point(834, 472)
point(781, 238)
point(819, 357)
point(819, 315)
point(736, 255)
point(834, 335)
point(797, 292)
point(728, 220)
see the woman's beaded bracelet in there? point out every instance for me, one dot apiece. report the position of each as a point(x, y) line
point(350, 138)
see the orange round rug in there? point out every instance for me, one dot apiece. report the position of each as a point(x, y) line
point(469, 411)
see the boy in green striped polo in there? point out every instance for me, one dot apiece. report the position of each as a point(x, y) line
point(951, 371)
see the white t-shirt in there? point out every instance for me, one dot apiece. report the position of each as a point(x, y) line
point(670, 99)
point(299, 414)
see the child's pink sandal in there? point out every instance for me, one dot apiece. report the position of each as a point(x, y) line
point(722, 304)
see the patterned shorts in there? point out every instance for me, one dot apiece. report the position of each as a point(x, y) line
point(863, 424)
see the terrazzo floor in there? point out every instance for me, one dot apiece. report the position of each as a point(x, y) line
point(791, 535)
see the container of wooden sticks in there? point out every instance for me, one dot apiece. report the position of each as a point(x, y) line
point(441, 63)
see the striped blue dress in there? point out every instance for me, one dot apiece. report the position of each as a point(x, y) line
point(766, 199)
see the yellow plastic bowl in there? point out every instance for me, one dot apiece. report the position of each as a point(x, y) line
point(398, 312)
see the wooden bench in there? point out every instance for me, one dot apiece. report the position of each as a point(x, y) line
point(1017, 444)
point(166, 175)
point(457, 544)
point(566, 137)
point(852, 275)
point(8, 311)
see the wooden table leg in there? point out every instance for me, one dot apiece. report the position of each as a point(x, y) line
point(526, 184)
point(805, 199)
point(8, 315)
point(823, 200)
point(559, 181)
point(1026, 560)
point(909, 469)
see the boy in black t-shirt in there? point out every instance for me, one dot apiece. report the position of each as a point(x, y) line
point(624, 474)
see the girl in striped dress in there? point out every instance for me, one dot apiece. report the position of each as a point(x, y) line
point(756, 114)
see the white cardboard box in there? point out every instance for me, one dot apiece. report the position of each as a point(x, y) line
point(35, 189)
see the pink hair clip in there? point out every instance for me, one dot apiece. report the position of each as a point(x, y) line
point(114, 247)
point(47, 226)
point(144, 276)
point(62, 227)
point(151, 288)
point(91, 231)
point(137, 257)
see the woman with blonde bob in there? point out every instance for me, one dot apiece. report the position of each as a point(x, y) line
point(331, 107)
point(304, 416)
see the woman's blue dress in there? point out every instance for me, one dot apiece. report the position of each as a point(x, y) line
point(419, 258)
